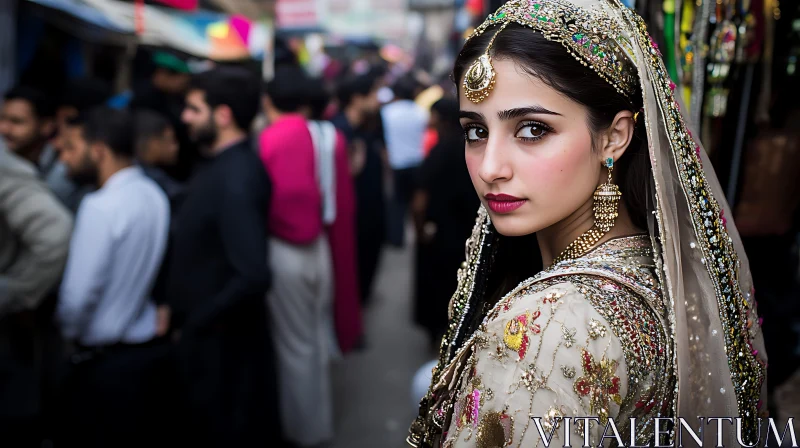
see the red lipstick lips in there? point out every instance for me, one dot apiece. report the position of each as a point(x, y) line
point(503, 203)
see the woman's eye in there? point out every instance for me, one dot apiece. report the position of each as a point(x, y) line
point(532, 131)
point(475, 133)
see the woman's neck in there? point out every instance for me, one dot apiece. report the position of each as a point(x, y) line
point(554, 239)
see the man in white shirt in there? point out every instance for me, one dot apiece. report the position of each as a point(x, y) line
point(105, 305)
point(404, 124)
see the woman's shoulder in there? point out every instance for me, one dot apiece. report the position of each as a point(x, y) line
point(563, 347)
point(584, 308)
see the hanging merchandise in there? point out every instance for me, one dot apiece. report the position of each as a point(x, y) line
point(747, 49)
point(699, 34)
point(722, 53)
point(686, 50)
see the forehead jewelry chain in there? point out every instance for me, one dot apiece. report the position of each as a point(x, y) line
point(606, 211)
point(480, 78)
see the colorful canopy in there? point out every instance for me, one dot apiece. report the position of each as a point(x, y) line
point(200, 33)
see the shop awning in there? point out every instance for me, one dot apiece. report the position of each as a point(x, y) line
point(200, 33)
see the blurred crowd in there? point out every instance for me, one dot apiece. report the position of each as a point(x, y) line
point(181, 265)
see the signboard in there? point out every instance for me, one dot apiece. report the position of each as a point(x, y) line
point(296, 14)
point(431, 4)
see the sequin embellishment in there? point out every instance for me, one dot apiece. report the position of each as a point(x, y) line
point(600, 383)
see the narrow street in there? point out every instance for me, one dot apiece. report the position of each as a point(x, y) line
point(373, 388)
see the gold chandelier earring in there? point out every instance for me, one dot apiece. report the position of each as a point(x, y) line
point(606, 201)
point(606, 211)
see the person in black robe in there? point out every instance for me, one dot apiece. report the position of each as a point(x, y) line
point(219, 275)
point(443, 207)
point(358, 102)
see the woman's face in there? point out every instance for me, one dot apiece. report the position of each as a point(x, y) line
point(529, 152)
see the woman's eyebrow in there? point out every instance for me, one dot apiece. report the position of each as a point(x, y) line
point(518, 112)
point(471, 115)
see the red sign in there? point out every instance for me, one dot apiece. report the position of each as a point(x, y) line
point(180, 4)
point(296, 13)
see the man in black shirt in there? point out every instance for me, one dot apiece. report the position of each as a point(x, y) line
point(219, 276)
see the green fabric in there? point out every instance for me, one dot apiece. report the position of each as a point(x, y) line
point(170, 61)
point(669, 39)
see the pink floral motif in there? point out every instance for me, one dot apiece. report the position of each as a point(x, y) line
point(475, 406)
point(722, 217)
point(672, 86)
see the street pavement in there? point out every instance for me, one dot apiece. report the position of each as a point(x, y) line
point(372, 388)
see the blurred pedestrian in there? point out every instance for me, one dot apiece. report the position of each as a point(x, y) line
point(165, 93)
point(105, 306)
point(443, 205)
point(34, 239)
point(358, 103)
point(157, 148)
point(27, 123)
point(312, 222)
point(218, 273)
point(79, 95)
point(404, 125)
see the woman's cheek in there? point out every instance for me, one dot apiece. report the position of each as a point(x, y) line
point(473, 160)
point(549, 172)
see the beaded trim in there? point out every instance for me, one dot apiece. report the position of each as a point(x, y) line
point(590, 35)
point(748, 372)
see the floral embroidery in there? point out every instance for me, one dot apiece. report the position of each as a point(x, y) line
point(600, 383)
point(515, 335)
point(596, 329)
point(568, 371)
point(467, 409)
point(552, 297)
point(531, 380)
point(551, 421)
point(568, 334)
point(495, 430)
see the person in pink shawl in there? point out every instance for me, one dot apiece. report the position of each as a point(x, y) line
point(314, 300)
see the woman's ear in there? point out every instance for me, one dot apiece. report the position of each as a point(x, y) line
point(618, 135)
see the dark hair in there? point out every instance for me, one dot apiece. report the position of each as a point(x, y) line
point(149, 124)
point(39, 101)
point(447, 109)
point(113, 127)
point(551, 63)
point(234, 87)
point(317, 98)
point(354, 85)
point(288, 88)
point(84, 93)
point(405, 88)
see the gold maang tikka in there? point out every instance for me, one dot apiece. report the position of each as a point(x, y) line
point(480, 78)
point(606, 211)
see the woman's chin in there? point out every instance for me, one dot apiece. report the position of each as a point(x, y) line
point(508, 225)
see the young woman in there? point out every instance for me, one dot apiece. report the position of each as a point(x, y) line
point(585, 167)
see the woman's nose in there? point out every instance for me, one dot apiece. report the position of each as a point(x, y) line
point(495, 167)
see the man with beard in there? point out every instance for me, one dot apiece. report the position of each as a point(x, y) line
point(218, 273)
point(27, 122)
point(105, 305)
